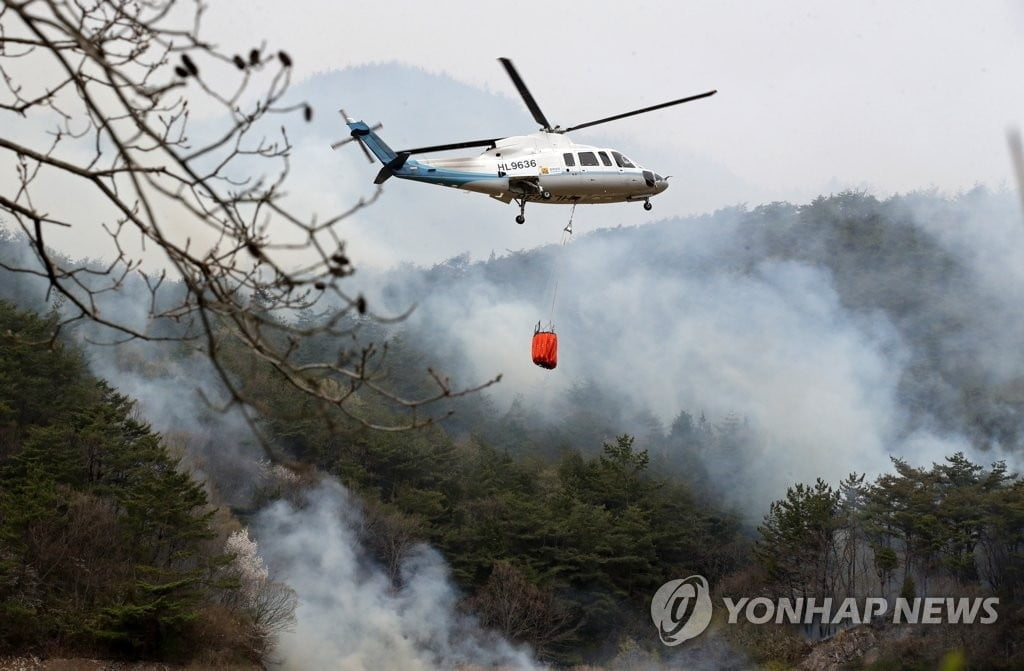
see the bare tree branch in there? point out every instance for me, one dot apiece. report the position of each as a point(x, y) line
point(112, 82)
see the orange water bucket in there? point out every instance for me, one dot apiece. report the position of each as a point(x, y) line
point(545, 349)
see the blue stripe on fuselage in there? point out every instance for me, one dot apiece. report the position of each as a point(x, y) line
point(421, 172)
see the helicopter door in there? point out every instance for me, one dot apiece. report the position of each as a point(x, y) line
point(572, 182)
point(589, 165)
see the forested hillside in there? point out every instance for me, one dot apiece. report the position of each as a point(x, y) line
point(714, 369)
point(106, 545)
point(953, 529)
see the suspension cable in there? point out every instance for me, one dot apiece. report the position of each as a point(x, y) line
point(566, 236)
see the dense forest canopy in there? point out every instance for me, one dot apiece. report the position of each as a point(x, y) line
point(107, 546)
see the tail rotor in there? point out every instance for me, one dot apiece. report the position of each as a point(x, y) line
point(373, 146)
point(355, 136)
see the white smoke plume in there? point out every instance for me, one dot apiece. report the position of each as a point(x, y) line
point(350, 616)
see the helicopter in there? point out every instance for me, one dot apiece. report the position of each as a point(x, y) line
point(544, 167)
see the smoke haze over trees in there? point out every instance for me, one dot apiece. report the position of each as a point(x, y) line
point(815, 340)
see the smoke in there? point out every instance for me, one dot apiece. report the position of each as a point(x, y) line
point(830, 357)
point(773, 346)
point(180, 397)
point(350, 616)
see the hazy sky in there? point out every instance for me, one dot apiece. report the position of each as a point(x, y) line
point(813, 95)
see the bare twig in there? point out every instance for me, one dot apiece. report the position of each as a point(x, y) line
point(118, 76)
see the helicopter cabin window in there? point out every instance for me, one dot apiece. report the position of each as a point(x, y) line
point(588, 158)
point(622, 161)
point(570, 161)
point(604, 158)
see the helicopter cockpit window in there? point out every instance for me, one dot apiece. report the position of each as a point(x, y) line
point(604, 158)
point(588, 158)
point(622, 161)
point(569, 159)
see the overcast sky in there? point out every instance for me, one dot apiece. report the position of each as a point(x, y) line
point(813, 95)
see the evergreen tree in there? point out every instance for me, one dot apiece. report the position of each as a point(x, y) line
point(104, 539)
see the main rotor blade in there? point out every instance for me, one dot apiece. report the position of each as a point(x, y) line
point(641, 111)
point(525, 93)
point(454, 145)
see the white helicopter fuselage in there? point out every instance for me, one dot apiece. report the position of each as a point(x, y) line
point(542, 167)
